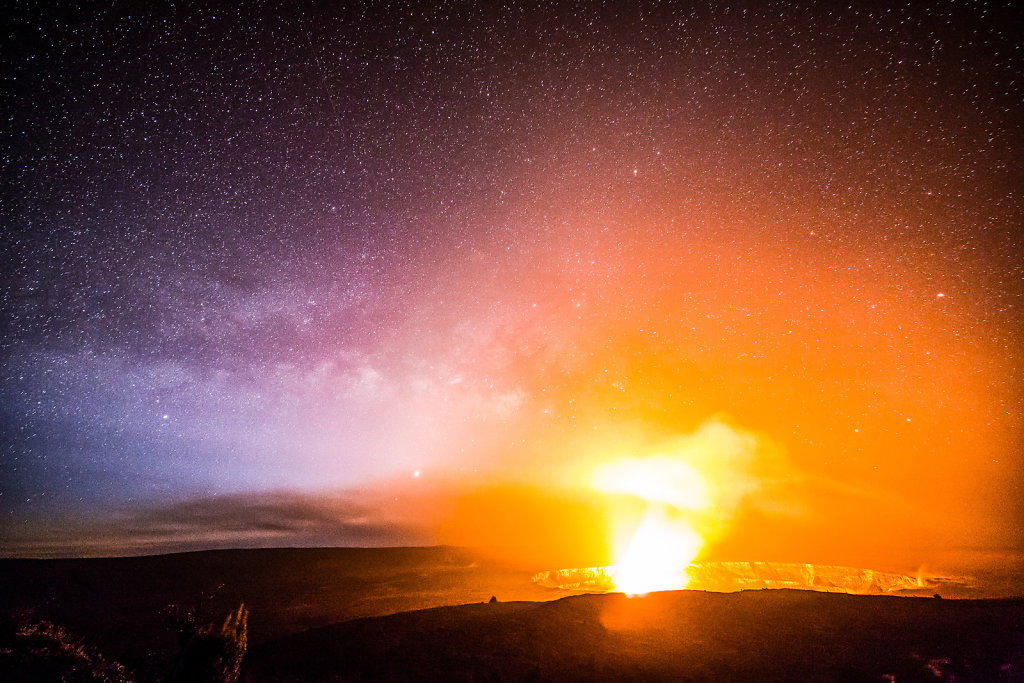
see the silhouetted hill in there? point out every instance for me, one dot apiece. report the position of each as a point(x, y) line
point(770, 635)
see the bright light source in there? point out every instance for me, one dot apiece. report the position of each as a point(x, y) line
point(664, 544)
point(657, 556)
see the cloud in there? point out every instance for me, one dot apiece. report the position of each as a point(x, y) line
point(237, 521)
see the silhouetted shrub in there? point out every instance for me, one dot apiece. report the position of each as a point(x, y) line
point(187, 617)
point(35, 650)
point(214, 654)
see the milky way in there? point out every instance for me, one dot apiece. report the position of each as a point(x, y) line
point(257, 251)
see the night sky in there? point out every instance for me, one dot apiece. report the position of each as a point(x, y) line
point(325, 274)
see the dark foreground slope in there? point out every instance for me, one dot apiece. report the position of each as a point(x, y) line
point(129, 608)
point(686, 635)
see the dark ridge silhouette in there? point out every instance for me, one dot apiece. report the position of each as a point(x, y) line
point(769, 635)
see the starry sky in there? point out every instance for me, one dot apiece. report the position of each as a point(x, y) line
point(348, 274)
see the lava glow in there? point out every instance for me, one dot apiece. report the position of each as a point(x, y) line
point(735, 576)
point(665, 543)
point(657, 556)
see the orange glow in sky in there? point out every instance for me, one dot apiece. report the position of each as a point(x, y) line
point(635, 289)
point(664, 543)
